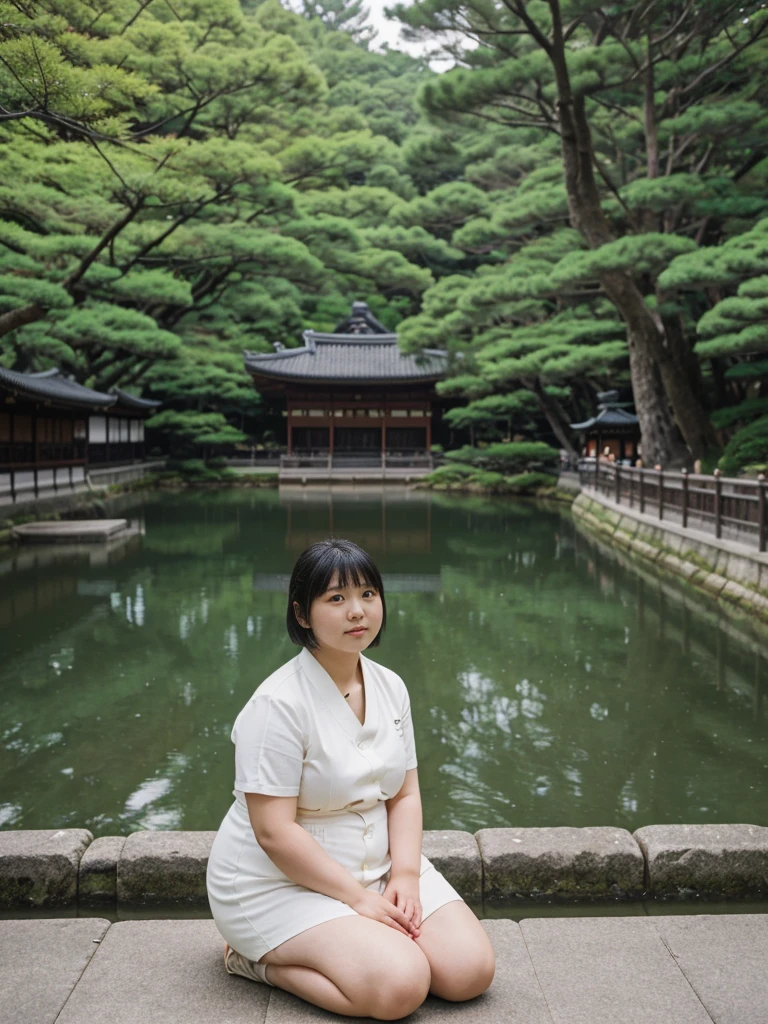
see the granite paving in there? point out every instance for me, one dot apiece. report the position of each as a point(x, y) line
point(578, 970)
point(41, 963)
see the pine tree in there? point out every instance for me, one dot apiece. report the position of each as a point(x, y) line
point(644, 101)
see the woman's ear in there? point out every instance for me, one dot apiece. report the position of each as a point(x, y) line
point(299, 617)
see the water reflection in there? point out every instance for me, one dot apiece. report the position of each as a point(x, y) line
point(552, 681)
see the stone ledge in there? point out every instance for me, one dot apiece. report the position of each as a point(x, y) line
point(560, 861)
point(161, 867)
point(457, 856)
point(39, 867)
point(729, 571)
point(97, 880)
point(728, 859)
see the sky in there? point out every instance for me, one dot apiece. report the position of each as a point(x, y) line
point(389, 32)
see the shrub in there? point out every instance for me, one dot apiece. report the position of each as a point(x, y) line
point(506, 457)
point(528, 483)
point(449, 474)
point(194, 467)
point(747, 447)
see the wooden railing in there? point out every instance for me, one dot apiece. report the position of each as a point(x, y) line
point(357, 460)
point(705, 502)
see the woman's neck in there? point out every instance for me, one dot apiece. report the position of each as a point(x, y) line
point(343, 668)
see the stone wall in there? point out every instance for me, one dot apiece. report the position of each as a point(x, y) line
point(727, 570)
point(57, 868)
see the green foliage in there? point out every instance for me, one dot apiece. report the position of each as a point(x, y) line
point(179, 185)
point(747, 447)
point(733, 414)
point(189, 431)
point(506, 457)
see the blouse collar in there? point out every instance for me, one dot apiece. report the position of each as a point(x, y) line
point(335, 700)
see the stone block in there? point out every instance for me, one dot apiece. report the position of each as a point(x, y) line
point(727, 859)
point(734, 592)
point(672, 563)
point(628, 525)
point(97, 881)
point(688, 570)
point(457, 856)
point(163, 867)
point(721, 562)
point(40, 964)
point(673, 541)
point(608, 970)
point(561, 861)
point(38, 867)
point(712, 583)
point(754, 602)
point(723, 958)
point(646, 550)
point(745, 571)
point(164, 972)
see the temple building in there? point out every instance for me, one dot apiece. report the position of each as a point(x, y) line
point(352, 391)
point(52, 428)
point(613, 433)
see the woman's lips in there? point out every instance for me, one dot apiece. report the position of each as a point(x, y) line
point(356, 632)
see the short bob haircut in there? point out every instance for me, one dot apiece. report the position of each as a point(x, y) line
point(313, 572)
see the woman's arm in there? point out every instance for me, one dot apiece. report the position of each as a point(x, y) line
point(293, 850)
point(405, 821)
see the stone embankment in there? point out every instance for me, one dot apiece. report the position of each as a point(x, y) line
point(49, 867)
point(728, 570)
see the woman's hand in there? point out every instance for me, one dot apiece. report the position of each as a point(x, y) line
point(404, 892)
point(372, 904)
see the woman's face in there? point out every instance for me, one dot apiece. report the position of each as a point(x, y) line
point(347, 618)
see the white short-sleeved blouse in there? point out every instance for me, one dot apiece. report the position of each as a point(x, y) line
point(298, 736)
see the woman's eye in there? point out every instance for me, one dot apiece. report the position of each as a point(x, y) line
point(369, 593)
point(335, 596)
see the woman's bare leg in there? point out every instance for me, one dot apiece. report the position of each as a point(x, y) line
point(460, 954)
point(353, 966)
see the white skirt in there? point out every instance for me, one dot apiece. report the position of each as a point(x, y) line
point(256, 907)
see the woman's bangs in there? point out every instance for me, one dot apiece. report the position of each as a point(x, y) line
point(350, 570)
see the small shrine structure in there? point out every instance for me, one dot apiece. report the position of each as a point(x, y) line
point(613, 433)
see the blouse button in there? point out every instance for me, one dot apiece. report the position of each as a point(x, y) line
point(362, 745)
point(365, 867)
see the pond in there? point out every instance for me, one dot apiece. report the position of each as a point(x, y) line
point(552, 683)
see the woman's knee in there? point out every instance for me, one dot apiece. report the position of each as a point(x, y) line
point(466, 980)
point(398, 992)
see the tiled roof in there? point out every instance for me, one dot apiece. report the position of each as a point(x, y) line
point(348, 357)
point(126, 401)
point(608, 418)
point(53, 386)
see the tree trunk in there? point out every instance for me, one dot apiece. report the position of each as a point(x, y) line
point(645, 334)
point(655, 393)
point(661, 441)
point(547, 407)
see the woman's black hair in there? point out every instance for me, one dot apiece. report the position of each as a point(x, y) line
point(313, 572)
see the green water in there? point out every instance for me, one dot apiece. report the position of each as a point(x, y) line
point(551, 683)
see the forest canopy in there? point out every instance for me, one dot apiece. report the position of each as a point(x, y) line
point(578, 204)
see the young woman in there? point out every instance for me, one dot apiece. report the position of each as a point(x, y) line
point(316, 878)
